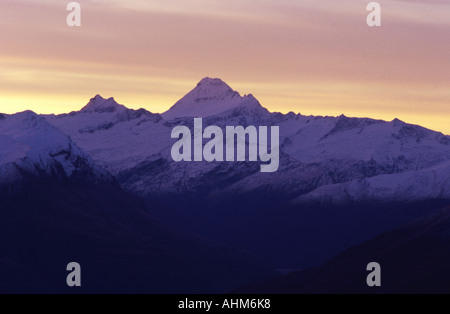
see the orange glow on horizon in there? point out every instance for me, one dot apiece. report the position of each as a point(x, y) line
point(314, 57)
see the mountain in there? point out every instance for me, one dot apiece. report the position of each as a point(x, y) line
point(413, 259)
point(101, 105)
point(211, 96)
point(104, 126)
point(432, 182)
point(32, 146)
point(341, 180)
point(57, 206)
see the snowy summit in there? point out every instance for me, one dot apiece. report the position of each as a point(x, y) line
point(31, 145)
point(211, 96)
point(100, 105)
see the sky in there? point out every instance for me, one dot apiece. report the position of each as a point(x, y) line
point(314, 57)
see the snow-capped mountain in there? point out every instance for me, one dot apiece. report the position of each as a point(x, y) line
point(57, 206)
point(408, 186)
point(328, 165)
point(114, 136)
point(323, 158)
point(211, 96)
point(32, 146)
point(341, 181)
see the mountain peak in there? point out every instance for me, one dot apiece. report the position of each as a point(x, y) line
point(213, 81)
point(32, 144)
point(210, 81)
point(212, 88)
point(210, 96)
point(28, 119)
point(99, 104)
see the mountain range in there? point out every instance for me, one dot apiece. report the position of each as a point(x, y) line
point(57, 206)
point(327, 159)
point(341, 181)
point(334, 171)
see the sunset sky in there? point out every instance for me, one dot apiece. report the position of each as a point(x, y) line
point(308, 56)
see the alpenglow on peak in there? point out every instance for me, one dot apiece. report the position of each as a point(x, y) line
point(99, 104)
point(210, 96)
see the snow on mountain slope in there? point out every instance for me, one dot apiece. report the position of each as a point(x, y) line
point(100, 105)
point(325, 151)
point(316, 138)
point(410, 186)
point(211, 96)
point(11, 150)
point(31, 144)
point(116, 137)
point(315, 151)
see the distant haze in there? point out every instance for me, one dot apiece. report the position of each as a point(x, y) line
point(311, 56)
